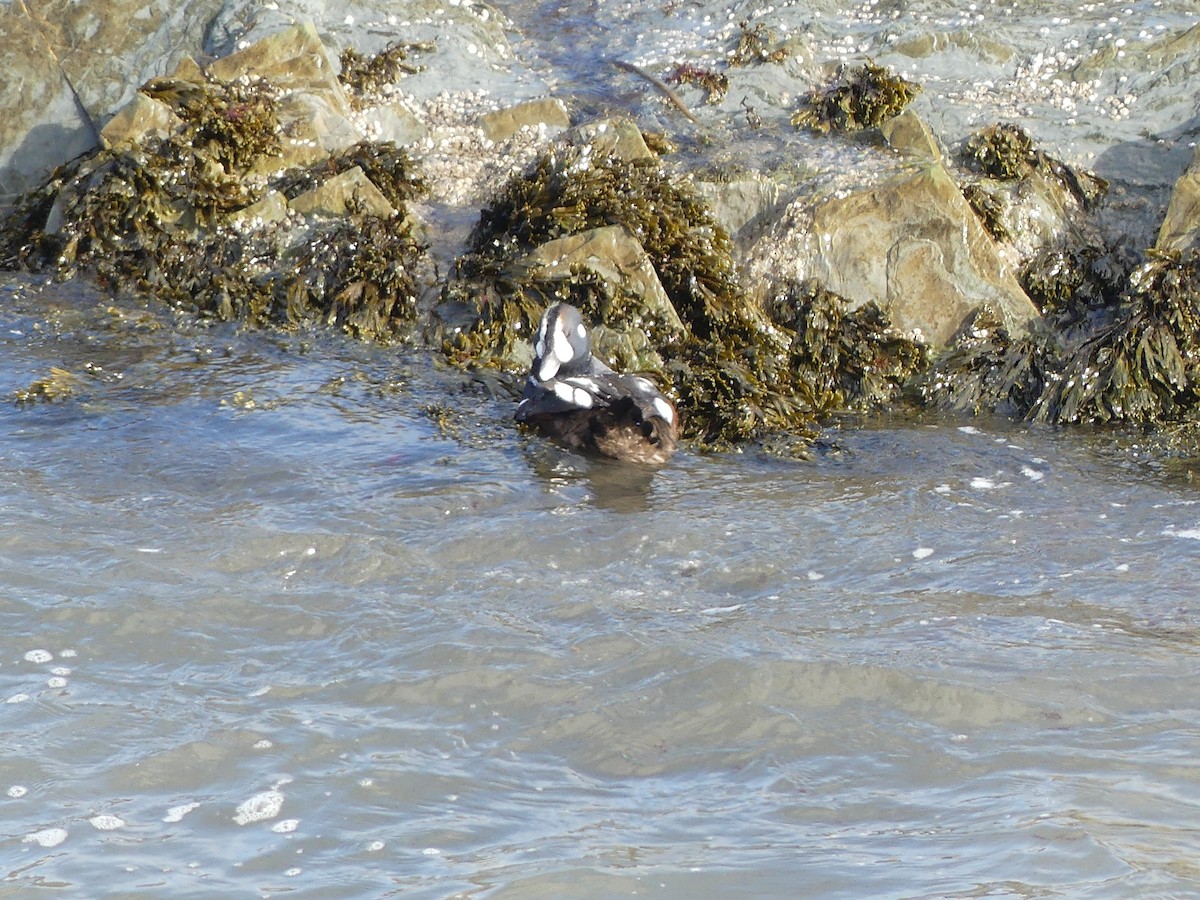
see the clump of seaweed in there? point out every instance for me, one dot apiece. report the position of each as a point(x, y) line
point(233, 122)
point(159, 217)
point(1003, 151)
point(988, 208)
point(58, 385)
point(358, 276)
point(714, 84)
point(1144, 368)
point(849, 359)
point(986, 369)
point(753, 46)
point(389, 167)
point(367, 76)
point(1070, 285)
point(862, 98)
point(1006, 152)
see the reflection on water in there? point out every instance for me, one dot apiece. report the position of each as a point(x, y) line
point(318, 645)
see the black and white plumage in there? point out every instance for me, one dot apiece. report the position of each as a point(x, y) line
point(573, 397)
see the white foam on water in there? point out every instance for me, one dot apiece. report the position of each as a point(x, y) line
point(176, 813)
point(1191, 534)
point(922, 552)
point(17, 791)
point(1032, 474)
point(259, 807)
point(17, 698)
point(47, 837)
point(285, 826)
point(107, 822)
point(39, 656)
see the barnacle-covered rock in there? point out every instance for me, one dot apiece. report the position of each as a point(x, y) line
point(176, 210)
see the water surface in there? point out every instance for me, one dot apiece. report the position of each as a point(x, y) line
point(333, 644)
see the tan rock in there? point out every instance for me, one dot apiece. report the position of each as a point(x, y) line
point(271, 207)
point(143, 117)
point(504, 123)
point(343, 194)
point(294, 59)
point(1180, 228)
point(907, 133)
point(620, 137)
point(911, 244)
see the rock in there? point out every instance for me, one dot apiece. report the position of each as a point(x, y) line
point(69, 65)
point(343, 194)
point(504, 123)
point(313, 111)
point(1181, 226)
point(619, 137)
point(741, 207)
point(293, 60)
point(271, 207)
point(396, 123)
point(43, 124)
point(911, 244)
point(143, 117)
point(907, 133)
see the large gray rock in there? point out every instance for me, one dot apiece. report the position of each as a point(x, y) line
point(1181, 226)
point(70, 65)
point(911, 244)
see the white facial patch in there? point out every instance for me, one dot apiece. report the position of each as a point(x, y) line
point(573, 395)
point(580, 330)
point(663, 408)
point(561, 345)
point(548, 367)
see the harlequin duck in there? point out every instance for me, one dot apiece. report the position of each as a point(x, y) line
point(574, 398)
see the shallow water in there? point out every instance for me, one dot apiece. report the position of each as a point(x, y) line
point(321, 645)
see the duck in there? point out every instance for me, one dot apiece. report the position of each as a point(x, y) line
point(578, 401)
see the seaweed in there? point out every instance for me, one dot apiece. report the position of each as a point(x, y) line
point(848, 359)
point(862, 98)
point(233, 122)
point(752, 46)
point(1143, 368)
point(1071, 284)
point(986, 369)
point(988, 208)
point(1002, 151)
point(366, 76)
point(389, 167)
point(158, 217)
point(714, 84)
point(1006, 152)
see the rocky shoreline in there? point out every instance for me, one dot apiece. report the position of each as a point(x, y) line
point(334, 174)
